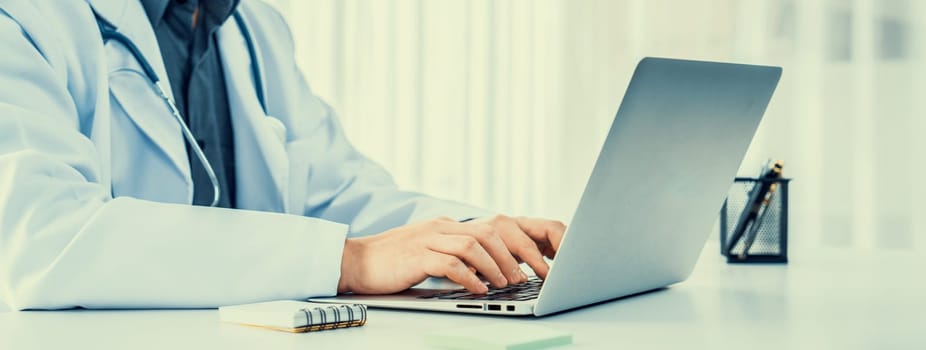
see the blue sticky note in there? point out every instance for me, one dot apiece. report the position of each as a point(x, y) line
point(500, 336)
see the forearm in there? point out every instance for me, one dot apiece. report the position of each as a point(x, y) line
point(134, 253)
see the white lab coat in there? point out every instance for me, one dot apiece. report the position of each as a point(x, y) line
point(95, 185)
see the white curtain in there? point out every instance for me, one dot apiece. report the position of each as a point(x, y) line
point(505, 103)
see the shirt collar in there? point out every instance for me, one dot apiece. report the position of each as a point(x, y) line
point(155, 10)
point(218, 10)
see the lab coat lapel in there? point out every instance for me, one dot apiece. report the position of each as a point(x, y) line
point(132, 89)
point(260, 140)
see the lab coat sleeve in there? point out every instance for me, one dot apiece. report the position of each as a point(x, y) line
point(350, 188)
point(65, 242)
point(343, 185)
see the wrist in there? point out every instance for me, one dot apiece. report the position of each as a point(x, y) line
point(348, 259)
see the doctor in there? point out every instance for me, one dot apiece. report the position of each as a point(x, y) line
point(237, 185)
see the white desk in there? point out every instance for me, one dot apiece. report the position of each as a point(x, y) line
point(834, 300)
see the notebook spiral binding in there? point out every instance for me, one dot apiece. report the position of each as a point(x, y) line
point(325, 324)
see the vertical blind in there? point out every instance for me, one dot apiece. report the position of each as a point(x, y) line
point(505, 103)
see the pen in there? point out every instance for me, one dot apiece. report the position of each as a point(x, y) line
point(757, 223)
point(754, 203)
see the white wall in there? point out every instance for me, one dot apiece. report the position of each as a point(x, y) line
point(505, 103)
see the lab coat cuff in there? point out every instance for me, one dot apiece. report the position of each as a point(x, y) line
point(322, 269)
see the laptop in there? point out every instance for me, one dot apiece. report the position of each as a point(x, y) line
point(667, 163)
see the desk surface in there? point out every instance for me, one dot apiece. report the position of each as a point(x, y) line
point(832, 300)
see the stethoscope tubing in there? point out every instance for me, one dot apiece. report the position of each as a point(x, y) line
point(109, 32)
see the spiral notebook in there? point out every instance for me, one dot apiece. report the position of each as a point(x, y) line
point(295, 316)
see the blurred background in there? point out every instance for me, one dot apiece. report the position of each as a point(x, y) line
point(505, 104)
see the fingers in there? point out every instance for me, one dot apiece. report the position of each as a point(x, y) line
point(526, 243)
point(405, 255)
point(443, 265)
point(548, 234)
point(528, 251)
point(493, 244)
point(493, 250)
point(470, 250)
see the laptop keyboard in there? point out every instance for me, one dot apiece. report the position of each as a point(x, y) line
point(519, 292)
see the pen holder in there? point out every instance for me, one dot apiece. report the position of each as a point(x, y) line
point(766, 236)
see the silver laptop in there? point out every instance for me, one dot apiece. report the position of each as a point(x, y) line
point(661, 177)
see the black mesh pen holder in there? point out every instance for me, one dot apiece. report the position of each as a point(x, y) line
point(764, 238)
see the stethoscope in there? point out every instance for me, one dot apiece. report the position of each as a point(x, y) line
point(108, 31)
